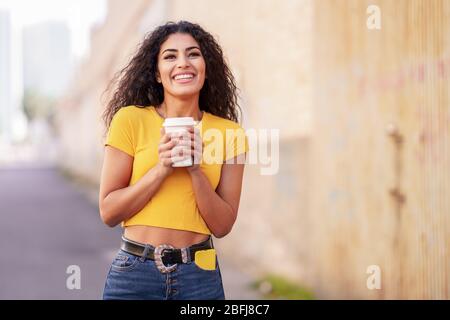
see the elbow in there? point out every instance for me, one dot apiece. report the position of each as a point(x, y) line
point(226, 228)
point(219, 234)
point(110, 223)
point(107, 218)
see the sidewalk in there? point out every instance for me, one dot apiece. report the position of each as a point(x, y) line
point(236, 284)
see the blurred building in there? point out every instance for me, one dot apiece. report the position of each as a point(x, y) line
point(47, 58)
point(13, 124)
point(363, 176)
point(5, 77)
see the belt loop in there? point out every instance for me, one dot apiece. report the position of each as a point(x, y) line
point(145, 253)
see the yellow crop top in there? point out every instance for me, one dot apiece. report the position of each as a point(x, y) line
point(136, 131)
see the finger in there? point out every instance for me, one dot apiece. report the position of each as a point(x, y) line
point(167, 162)
point(180, 152)
point(165, 155)
point(196, 138)
point(166, 146)
point(181, 134)
point(184, 143)
point(170, 159)
point(164, 137)
point(175, 135)
point(198, 144)
point(193, 153)
point(177, 159)
point(187, 135)
point(197, 132)
point(197, 156)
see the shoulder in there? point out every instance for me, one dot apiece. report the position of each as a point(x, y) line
point(131, 112)
point(129, 115)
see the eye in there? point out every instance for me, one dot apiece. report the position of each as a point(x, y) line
point(170, 56)
point(194, 54)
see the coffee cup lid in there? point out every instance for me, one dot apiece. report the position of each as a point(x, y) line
point(179, 121)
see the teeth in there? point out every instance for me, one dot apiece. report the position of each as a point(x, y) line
point(183, 76)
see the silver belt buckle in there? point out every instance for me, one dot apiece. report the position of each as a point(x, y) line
point(159, 254)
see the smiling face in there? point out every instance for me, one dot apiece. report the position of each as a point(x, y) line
point(181, 67)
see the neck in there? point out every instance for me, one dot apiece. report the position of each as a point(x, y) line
point(176, 107)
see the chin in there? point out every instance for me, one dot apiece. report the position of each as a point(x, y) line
point(186, 92)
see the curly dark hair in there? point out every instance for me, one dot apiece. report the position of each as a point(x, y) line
point(137, 85)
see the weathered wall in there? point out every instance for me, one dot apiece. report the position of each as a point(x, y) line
point(269, 46)
point(377, 201)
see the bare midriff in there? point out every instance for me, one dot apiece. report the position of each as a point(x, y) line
point(157, 236)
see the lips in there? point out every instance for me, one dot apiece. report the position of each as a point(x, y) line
point(183, 77)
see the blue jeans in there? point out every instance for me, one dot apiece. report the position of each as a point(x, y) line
point(133, 277)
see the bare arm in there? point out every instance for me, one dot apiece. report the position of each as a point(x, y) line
point(117, 200)
point(219, 207)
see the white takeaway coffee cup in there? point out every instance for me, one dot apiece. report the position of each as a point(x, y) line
point(179, 125)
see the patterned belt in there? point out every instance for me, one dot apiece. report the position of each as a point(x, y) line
point(166, 257)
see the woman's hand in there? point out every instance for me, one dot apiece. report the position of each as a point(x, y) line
point(192, 147)
point(165, 153)
point(196, 149)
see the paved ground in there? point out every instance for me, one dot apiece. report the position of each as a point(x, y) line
point(48, 225)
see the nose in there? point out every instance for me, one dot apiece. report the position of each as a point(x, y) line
point(183, 62)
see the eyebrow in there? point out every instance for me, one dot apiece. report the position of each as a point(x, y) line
point(175, 50)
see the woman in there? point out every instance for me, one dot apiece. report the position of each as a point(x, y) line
point(169, 213)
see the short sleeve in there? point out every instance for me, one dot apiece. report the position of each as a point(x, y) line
point(236, 143)
point(120, 133)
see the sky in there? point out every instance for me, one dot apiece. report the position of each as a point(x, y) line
point(80, 16)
